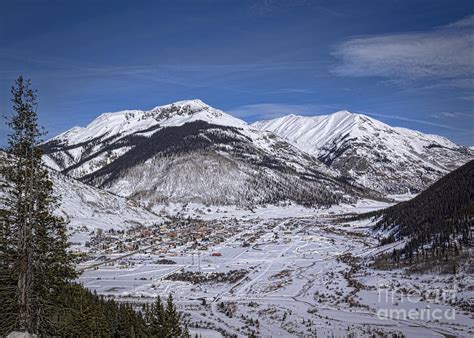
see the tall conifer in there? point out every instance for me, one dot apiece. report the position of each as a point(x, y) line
point(35, 241)
point(35, 266)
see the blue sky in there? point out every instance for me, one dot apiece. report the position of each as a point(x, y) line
point(407, 63)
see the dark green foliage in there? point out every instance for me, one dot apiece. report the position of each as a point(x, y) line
point(438, 221)
point(163, 320)
point(80, 313)
point(155, 315)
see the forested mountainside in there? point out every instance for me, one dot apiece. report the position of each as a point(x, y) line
point(388, 159)
point(437, 222)
point(190, 152)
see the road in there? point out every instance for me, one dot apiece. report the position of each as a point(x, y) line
point(110, 260)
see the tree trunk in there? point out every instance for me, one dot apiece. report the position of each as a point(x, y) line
point(24, 281)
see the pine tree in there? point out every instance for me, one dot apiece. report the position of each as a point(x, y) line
point(35, 266)
point(34, 241)
point(156, 318)
point(172, 319)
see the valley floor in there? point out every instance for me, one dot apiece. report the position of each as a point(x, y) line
point(289, 277)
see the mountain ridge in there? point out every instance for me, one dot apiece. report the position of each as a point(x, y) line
point(130, 121)
point(118, 151)
point(391, 160)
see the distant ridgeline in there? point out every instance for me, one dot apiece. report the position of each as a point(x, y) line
point(438, 222)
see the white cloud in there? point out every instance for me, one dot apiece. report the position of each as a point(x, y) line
point(445, 53)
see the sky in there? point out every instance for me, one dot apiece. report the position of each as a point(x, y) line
point(407, 63)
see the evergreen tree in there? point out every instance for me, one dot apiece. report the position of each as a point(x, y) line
point(34, 242)
point(35, 266)
point(172, 319)
point(156, 318)
point(165, 321)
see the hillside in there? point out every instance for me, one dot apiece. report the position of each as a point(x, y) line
point(387, 159)
point(439, 219)
point(88, 208)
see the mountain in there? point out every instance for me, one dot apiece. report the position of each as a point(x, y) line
point(437, 220)
point(89, 208)
point(190, 152)
point(387, 159)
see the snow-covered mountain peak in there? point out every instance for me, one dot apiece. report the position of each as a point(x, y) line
point(388, 159)
point(344, 114)
point(347, 119)
point(193, 105)
point(310, 132)
point(181, 112)
point(123, 123)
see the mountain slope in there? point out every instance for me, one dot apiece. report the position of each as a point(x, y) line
point(88, 208)
point(190, 152)
point(439, 218)
point(374, 154)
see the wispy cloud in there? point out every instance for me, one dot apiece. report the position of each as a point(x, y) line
point(293, 91)
point(412, 120)
point(267, 7)
point(193, 75)
point(452, 115)
point(270, 7)
point(444, 53)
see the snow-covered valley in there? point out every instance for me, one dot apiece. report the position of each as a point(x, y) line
point(289, 275)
